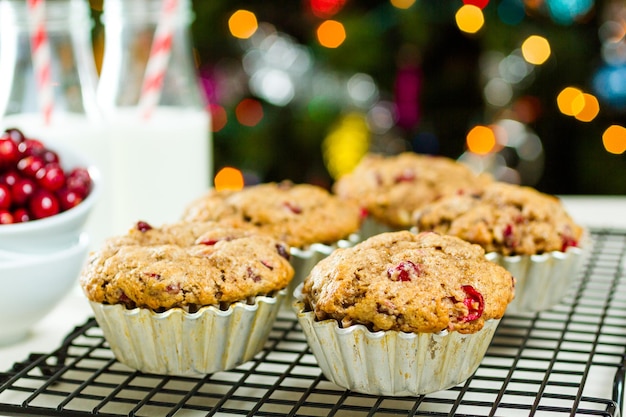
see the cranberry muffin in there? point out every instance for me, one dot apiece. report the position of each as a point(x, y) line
point(403, 313)
point(186, 283)
point(527, 231)
point(311, 220)
point(390, 188)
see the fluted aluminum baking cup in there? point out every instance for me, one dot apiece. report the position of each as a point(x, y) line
point(541, 281)
point(390, 362)
point(371, 227)
point(303, 260)
point(176, 342)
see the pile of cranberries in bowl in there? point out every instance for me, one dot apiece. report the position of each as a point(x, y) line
point(33, 183)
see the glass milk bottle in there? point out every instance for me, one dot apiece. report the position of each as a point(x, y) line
point(54, 38)
point(156, 113)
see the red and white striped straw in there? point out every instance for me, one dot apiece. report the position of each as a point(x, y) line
point(40, 49)
point(158, 60)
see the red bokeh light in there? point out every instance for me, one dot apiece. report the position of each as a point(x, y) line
point(478, 3)
point(326, 8)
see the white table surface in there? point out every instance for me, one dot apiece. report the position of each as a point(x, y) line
point(592, 211)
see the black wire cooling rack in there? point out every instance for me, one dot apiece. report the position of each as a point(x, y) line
point(566, 361)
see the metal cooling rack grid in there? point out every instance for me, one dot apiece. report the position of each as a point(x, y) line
point(567, 361)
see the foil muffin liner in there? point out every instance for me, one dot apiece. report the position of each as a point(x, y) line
point(390, 362)
point(541, 281)
point(176, 342)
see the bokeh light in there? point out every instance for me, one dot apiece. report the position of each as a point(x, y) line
point(228, 178)
point(249, 112)
point(614, 139)
point(511, 12)
point(331, 34)
point(481, 140)
point(481, 4)
point(242, 24)
point(566, 12)
point(536, 49)
point(346, 144)
point(402, 4)
point(609, 83)
point(326, 8)
point(590, 109)
point(469, 18)
point(219, 117)
point(570, 101)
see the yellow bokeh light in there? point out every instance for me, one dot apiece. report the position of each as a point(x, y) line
point(229, 178)
point(590, 109)
point(536, 50)
point(331, 34)
point(481, 140)
point(571, 101)
point(469, 18)
point(242, 24)
point(614, 139)
point(402, 4)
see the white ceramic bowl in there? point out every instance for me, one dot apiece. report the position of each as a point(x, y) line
point(34, 284)
point(62, 230)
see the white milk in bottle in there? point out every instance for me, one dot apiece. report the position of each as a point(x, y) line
point(161, 158)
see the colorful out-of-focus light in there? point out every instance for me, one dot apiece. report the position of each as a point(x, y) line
point(331, 33)
point(570, 101)
point(346, 144)
point(249, 112)
point(469, 18)
point(481, 140)
point(614, 139)
point(536, 50)
point(326, 8)
point(511, 12)
point(565, 12)
point(609, 83)
point(228, 178)
point(402, 4)
point(242, 24)
point(590, 109)
point(478, 3)
point(218, 117)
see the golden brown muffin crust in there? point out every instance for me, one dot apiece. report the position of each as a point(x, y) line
point(299, 214)
point(504, 218)
point(391, 188)
point(411, 283)
point(187, 265)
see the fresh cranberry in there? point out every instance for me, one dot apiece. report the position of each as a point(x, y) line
point(22, 190)
point(404, 271)
point(43, 203)
point(31, 147)
point(8, 153)
point(6, 217)
point(79, 180)
point(15, 134)
point(50, 156)
point(363, 213)
point(21, 215)
point(68, 198)
point(143, 226)
point(295, 209)
point(5, 197)
point(29, 165)
point(474, 302)
point(51, 176)
point(9, 178)
point(209, 242)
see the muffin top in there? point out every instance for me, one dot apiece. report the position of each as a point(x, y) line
point(391, 188)
point(414, 283)
point(187, 265)
point(504, 218)
point(299, 214)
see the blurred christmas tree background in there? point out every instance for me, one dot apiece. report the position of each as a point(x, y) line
point(533, 91)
